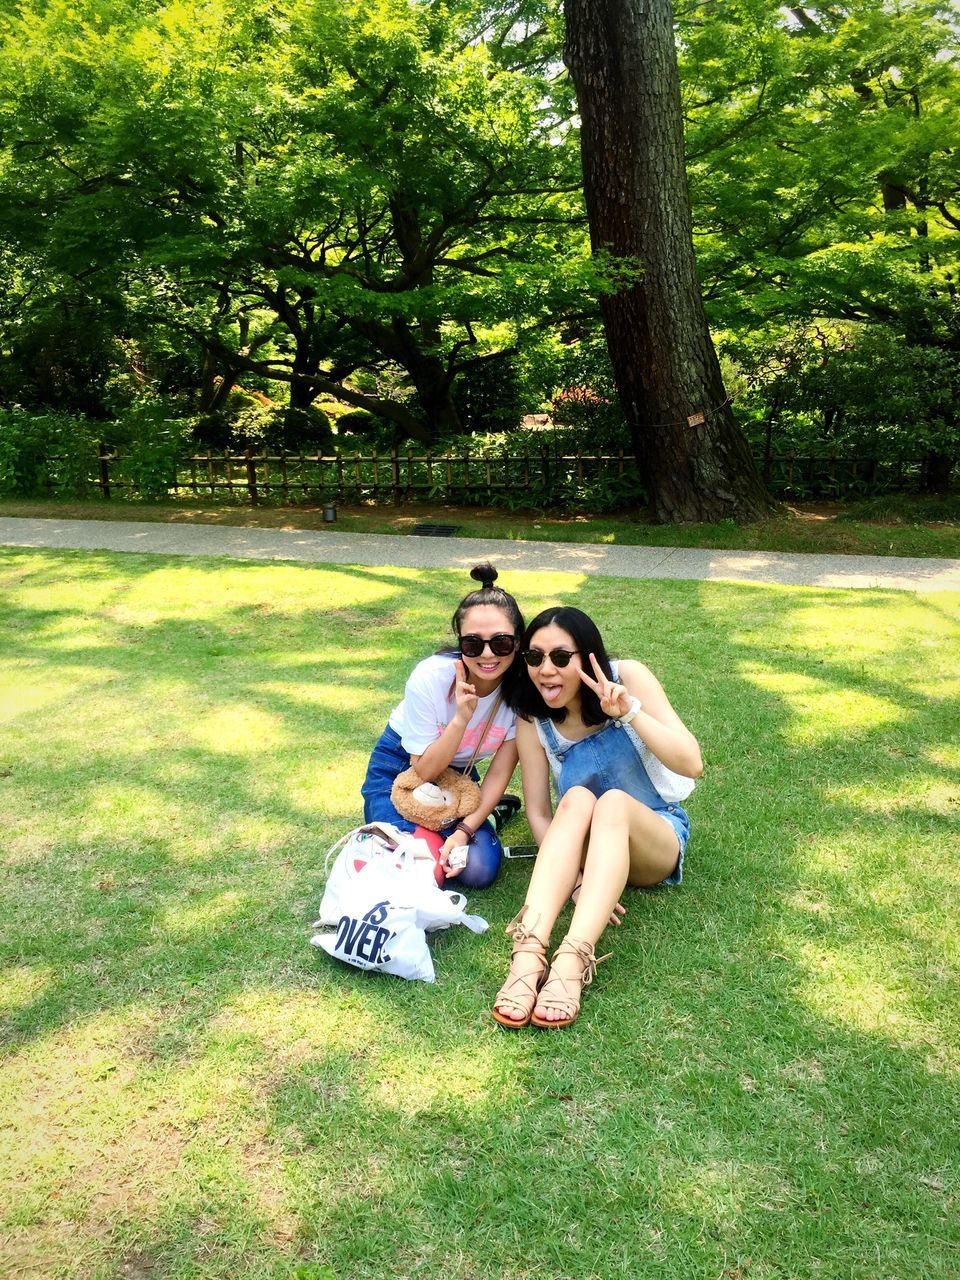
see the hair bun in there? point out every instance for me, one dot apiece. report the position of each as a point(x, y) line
point(485, 574)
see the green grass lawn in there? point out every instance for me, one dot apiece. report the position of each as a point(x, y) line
point(898, 525)
point(762, 1085)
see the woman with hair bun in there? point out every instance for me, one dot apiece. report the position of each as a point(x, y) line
point(451, 700)
point(621, 760)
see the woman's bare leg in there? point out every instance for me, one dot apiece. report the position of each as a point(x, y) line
point(559, 858)
point(628, 844)
point(554, 876)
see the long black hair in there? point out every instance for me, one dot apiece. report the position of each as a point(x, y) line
point(489, 593)
point(584, 633)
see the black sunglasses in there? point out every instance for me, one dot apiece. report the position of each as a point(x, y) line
point(559, 657)
point(500, 645)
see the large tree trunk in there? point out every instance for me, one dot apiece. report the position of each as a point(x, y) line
point(695, 462)
point(305, 367)
point(433, 385)
point(427, 371)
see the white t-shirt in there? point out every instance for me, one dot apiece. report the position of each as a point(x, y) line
point(429, 705)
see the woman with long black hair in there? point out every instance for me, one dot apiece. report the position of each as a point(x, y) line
point(454, 701)
point(621, 761)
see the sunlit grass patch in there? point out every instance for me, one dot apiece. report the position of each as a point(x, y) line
point(766, 1069)
point(20, 983)
point(853, 985)
point(819, 708)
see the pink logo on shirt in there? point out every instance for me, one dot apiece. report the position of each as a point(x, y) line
point(494, 737)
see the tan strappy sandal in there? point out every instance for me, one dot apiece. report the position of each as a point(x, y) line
point(521, 989)
point(563, 997)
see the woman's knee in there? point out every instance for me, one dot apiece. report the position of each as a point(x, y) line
point(614, 806)
point(577, 802)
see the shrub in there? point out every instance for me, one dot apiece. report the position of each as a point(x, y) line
point(552, 475)
point(296, 429)
point(595, 417)
point(154, 443)
point(213, 431)
point(45, 454)
point(265, 427)
point(358, 422)
point(372, 431)
point(851, 390)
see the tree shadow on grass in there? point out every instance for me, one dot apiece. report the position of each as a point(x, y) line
point(733, 1089)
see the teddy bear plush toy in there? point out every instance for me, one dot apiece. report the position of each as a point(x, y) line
point(434, 804)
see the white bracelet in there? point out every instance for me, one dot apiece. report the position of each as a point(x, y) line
point(635, 705)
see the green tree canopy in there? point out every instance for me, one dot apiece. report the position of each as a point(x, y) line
point(361, 198)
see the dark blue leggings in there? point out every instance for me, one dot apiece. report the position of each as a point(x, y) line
point(389, 759)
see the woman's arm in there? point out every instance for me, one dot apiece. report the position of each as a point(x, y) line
point(658, 724)
point(492, 787)
point(535, 771)
point(494, 783)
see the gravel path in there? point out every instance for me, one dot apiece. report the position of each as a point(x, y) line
point(333, 547)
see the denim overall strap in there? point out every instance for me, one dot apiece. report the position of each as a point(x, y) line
point(553, 742)
point(611, 759)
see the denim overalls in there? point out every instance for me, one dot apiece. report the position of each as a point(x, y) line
point(609, 760)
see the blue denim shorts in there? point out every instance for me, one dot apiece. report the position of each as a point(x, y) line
point(678, 820)
point(387, 761)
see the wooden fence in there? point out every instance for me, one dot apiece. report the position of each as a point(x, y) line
point(397, 475)
point(534, 478)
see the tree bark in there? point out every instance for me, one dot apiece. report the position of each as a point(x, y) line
point(305, 366)
point(695, 462)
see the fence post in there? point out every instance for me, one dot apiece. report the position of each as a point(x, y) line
point(103, 465)
point(395, 475)
point(251, 475)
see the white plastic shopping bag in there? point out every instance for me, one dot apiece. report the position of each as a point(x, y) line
point(385, 938)
point(440, 908)
point(382, 897)
point(377, 843)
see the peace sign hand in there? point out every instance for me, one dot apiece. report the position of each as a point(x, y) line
point(465, 693)
point(615, 701)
